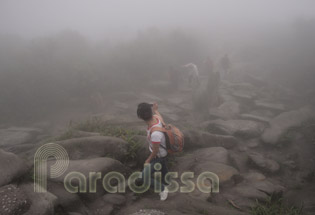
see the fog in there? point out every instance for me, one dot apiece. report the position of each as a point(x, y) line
point(55, 50)
point(237, 77)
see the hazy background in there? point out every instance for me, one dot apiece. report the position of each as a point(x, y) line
point(60, 53)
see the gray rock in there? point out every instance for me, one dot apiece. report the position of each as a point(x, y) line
point(11, 167)
point(68, 201)
point(42, 203)
point(95, 146)
point(253, 143)
point(103, 165)
point(148, 212)
point(280, 124)
point(255, 118)
point(115, 199)
point(197, 139)
point(269, 105)
point(195, 163)
point(216, 154)
point(100, 207)
point(263, 163)
point(15, 136)
point(227, 110)
point(242, 128)
point(254, 176)
point(13, 200)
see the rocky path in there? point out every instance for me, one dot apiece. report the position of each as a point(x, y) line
point(257, 141)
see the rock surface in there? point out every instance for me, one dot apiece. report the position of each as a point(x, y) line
point(197, 139)
point(242, 128)
point(11, 167)
point(280, 124)
point(263, 163)
point(17, 135)
point(95, 146)
point(13, 200)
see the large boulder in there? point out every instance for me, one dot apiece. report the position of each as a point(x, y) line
point(198, 139)
point(41, 203)
point(16, 136)
point(242, 128)
point(13, 200)
point(11, 167)
point(245, 194)
point(68, 201)
point(284, 121)
point(103, 165)
point(95, 146)
point(195, 162)
point(263, 163)
point(216, 154)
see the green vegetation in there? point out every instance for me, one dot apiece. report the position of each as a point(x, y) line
point(203, 211)
point(95, 124)
point(274, 205)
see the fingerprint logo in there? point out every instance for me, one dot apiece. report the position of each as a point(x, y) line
point(42, 154)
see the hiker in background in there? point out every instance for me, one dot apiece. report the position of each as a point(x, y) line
point(212, 84)
point(225, 65)
point(157, 144)
point(193, 75)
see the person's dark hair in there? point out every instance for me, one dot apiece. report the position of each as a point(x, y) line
point(144, 111)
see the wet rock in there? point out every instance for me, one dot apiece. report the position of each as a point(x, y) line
point(15, 136)
point(227, 110)
point(280, 124)
point(13, 200)
point(95, 146)
point(11, 167)
point(242, 128)
point(42, 203)
point(263, 163)
point(197, 139)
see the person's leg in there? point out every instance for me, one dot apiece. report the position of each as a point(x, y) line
point(164, 170)
point(150, 168)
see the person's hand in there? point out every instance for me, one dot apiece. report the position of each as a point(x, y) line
point(147, 161)
point(155, 107)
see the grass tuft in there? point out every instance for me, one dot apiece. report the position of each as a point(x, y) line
point(274, 205)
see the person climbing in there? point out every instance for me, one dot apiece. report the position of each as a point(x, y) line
point(157, 145)
point(225, 65)
point(193, 75)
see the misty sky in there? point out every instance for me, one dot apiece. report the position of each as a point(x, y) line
point(99, 17)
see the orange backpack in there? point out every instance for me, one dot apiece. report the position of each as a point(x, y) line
point(173, 136)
